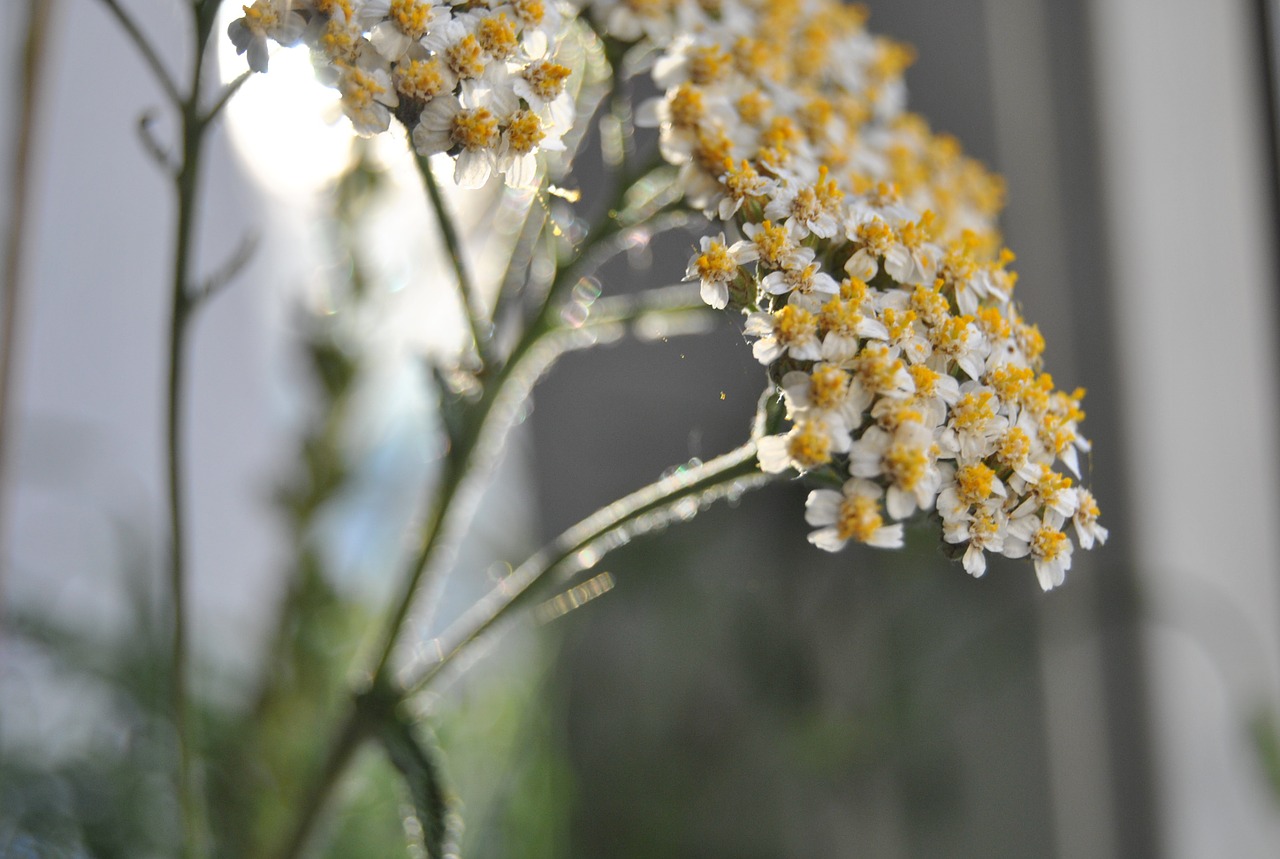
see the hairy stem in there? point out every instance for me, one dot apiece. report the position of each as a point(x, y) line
point(734, 469)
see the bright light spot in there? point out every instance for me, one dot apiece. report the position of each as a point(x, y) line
point(286, 126)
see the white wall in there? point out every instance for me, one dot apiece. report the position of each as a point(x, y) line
point(1186, 184)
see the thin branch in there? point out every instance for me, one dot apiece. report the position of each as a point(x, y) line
point(453, 244)
point(227, 272)
point(654, 505)
point(147, 51)
point(153, 146)
point(225, 96)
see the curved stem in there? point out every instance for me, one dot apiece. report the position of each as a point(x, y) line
point(453, 244)
point(346, 742)
point(736, 469)
point(147, 52)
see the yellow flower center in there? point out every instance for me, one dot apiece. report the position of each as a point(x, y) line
point(952, 336)
point(716, 264)
point(875, 369)
point(841, 317)
point(1049, 543)
point(530, 12)
point(260, 17)
point(974, 483)
point(875, 236)
point(465, 57)
point(497, 35)
point(524, 132)
point(360, 89)
point(709, 64)
point(1014, 448)
point(1051, 486)
point(687, 107)
point(899, 322)
point(973, 411)
point(793, 324)
point(753, 106)
point(906, 465)
point(547, 79)
point(828, 387)
point(858, 518)
point(419, 79)
point(926, 380)
point(411, 17)
point(773, 243)
point(475, 129)
point(713, 149)
point(809, 446)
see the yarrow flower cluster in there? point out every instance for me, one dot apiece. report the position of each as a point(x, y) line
point(862, 247)
point(864, 251)
point(475, 79)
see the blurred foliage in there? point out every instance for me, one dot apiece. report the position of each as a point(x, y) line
point(116, 798)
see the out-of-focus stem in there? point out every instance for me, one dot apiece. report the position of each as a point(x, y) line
point(19, 185)
point(453, 244)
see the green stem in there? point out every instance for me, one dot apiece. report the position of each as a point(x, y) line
point(510, 383)
point(347, 741)
point(453, 244)
point(147, 52)
point(736, 467)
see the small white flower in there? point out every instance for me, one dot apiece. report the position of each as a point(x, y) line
point(906, 459)
point(984, 529)
point(717, 266)
point(851, 514)
point(1044, 541)
point(791, 330)
point(808, 445)
point(265, 19)
point(1086, 521)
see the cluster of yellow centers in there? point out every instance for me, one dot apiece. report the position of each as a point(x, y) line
point(1048, 543)
point(974, 411)
point(876, 368)
point(794, 324)
point(907, 464)
point(419, 79)
point(530, 12)
point(774, 244)
point(359, 88)
point(329, 7)
point(411, 17)
point(810, 444)
point(497, 36)
point(261, 16)
point(546, 79)
point(974, 483)
point(687, 107)
point(524, 132)
point(1014, 448)
point(858, 518)
point(828, 387)
point(840, 316)
point(465, 57)
point(716, 263)
point(475, 129)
